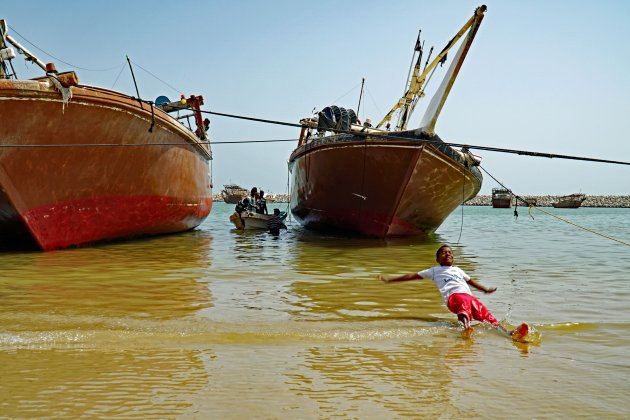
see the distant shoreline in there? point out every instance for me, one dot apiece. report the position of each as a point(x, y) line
point(271, 198)
point(611, 201)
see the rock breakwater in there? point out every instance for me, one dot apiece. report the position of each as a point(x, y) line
point(613, 201)
point(271, 198)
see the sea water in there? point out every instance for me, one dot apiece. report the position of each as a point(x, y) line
point(216, 323)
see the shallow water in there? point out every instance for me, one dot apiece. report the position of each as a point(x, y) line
point(217, 323)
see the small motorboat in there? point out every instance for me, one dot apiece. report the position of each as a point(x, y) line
point(248, 220)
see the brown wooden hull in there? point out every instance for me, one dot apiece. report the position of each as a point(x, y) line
point(567, 205)
point(232, 199)
point(378, 187)
point(501, 203)
point(92, 171)
point(573, 201)
point(501, 198)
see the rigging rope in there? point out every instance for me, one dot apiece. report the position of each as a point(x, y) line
point(96, 70)
point(119, 73)
point(59, 59)
point(179, 91)
point(345, 94)
point(581, 227)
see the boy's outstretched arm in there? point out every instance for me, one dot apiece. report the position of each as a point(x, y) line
point(478, 286)
point(404, 277)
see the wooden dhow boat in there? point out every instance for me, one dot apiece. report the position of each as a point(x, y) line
point(376, 182)
point(232, 193)
point(81, 164)
point(571, 201)
point(501, 198)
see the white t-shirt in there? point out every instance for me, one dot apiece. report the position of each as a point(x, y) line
point(448, 279)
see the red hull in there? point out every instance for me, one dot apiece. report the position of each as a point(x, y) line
point(379, 187)
point(110, 179)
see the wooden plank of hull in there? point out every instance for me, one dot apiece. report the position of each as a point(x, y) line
point(69, 196)
point(502, 203)
point(567, 205)
point(378, 189)
point(573, 201)
point(232, 198)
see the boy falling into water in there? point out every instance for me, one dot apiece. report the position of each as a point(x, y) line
point(453, 285)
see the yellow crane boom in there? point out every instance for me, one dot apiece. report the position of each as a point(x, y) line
point(407, 103)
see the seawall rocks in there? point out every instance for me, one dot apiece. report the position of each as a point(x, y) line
point(616, 201)
point(271, 198)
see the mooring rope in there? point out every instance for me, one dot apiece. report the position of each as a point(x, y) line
point(533, 206)
point(385, 135)
point(461, 226)
point(372, 135)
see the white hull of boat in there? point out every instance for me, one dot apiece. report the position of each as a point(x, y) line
point(251, 221)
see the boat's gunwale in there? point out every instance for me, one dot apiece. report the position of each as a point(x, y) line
point(89, 96)
point(351, 140)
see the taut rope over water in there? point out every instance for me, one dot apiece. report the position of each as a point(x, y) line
point(532, 206)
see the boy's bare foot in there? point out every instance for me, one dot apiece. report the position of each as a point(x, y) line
point(468, 332)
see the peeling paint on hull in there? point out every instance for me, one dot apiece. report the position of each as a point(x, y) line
point(92, 171)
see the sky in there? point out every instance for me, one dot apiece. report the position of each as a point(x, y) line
point(543, 76)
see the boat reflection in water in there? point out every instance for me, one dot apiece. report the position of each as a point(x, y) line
point(103, 329)
point(371, 339)
point(340, 289)
point(376, 182)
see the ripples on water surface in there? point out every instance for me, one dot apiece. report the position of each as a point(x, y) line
point(216, 323)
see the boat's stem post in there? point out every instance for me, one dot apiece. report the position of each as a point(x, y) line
point(302, 135)
point(3, 30)
point(133, 76)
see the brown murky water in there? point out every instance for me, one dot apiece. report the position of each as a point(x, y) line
point(219, 324)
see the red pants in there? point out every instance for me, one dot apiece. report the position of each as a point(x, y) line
point(462, 303)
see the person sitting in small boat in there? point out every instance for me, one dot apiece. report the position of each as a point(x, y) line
point(242, 206)
point(261, 203)
point(253, 197)
point(274, 223)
